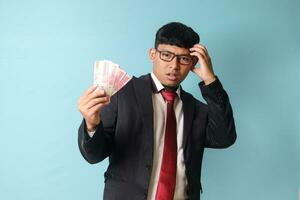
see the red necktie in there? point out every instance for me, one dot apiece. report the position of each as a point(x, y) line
point(167, 178)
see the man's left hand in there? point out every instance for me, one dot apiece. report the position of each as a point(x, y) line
point(205, 70)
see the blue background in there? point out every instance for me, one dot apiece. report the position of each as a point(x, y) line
point(47, 51)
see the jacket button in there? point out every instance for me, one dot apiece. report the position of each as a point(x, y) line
point(148, 167)
point(145, 195)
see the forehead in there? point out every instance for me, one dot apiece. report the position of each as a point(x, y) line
point(173, 49)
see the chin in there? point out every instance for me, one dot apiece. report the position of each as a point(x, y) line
point(171, 84)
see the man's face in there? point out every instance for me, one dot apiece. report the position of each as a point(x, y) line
point(170, 73)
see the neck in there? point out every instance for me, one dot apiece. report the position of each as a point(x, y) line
point(171, 88)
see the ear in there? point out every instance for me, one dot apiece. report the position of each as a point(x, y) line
point(152, 52)
point(195, 60)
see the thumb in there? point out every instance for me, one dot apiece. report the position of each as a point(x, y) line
point(196, 70)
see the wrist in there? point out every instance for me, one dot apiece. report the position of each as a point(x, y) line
point(209, 80)
point(91, 127)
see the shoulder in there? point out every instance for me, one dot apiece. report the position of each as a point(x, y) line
point(146, 78)
point(188, 98)
point(135, 84)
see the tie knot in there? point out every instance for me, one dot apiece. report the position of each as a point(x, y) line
point(169, 96)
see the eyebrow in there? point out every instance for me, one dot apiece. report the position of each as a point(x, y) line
point(174, 53)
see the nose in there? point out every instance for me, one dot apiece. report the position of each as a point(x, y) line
point(174, 64)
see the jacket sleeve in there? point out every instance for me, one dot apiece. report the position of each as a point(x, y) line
point(220, 130)
point(97, 148)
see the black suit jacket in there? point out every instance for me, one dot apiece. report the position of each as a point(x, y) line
point(125, 135)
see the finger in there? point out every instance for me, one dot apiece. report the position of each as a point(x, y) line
point(97, 93)
point(198, 49)
point(95, 109)
point(96, 101)
point(202, 47)
point(90, 90)
point(192, 68)
point(203, 60)
point(202, 57)
point(196, 70)
point(82, 99)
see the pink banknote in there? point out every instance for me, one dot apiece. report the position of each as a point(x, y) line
point(109, 76)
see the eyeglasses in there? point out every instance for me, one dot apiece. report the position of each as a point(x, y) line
point(183, 59)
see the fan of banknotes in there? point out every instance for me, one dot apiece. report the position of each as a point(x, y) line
point(109, 76)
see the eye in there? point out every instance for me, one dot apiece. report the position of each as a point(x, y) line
point(166, 55)
point(186, 59)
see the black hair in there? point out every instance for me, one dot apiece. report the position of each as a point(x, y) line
point(178, 34)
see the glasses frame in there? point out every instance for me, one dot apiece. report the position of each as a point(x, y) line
point(194, 59)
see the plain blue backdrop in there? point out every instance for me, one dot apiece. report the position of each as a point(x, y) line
point(47, 51)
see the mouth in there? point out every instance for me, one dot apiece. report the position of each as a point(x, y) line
point(172, 76)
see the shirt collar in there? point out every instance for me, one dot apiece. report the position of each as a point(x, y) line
point(160, 87)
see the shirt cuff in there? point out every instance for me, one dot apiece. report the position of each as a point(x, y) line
point(91, 133)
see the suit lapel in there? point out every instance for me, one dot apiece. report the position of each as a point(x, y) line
point(143, 91)
point(188, 113)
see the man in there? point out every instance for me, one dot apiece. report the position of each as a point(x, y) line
point(154, 132)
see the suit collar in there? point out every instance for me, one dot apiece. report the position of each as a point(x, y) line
point(157, 86)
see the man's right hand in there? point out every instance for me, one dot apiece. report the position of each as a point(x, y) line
point(90, 104)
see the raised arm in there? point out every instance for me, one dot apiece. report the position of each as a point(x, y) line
point(99, 116)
